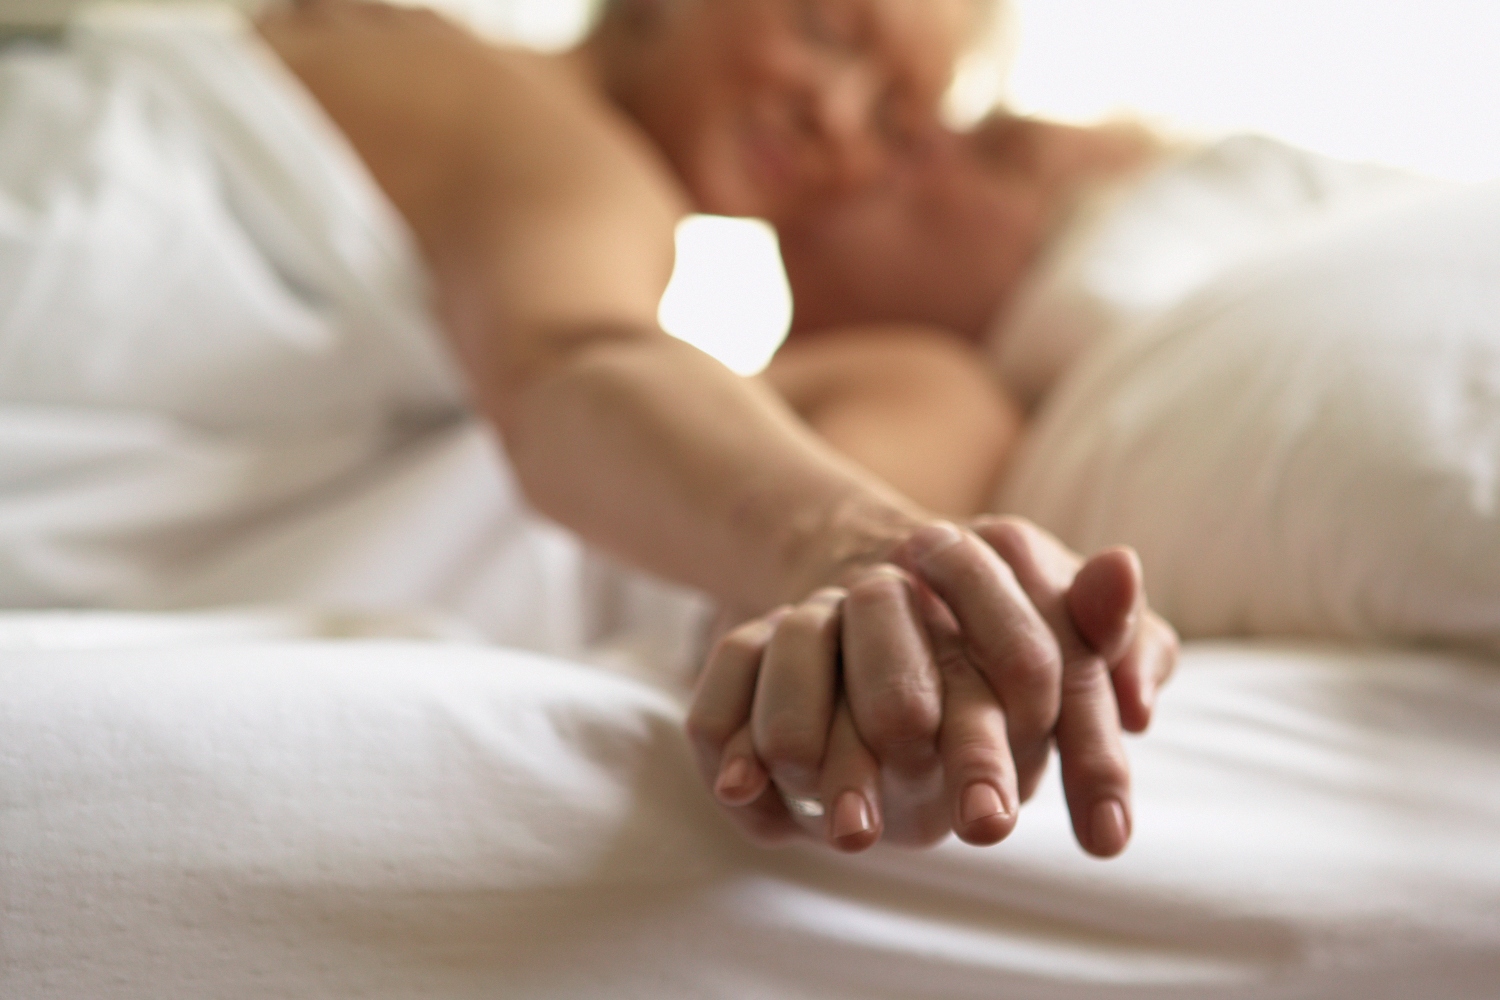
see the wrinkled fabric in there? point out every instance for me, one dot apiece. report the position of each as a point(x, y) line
point(248, 810)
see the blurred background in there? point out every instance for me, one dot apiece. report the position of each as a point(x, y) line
point(1410, 83)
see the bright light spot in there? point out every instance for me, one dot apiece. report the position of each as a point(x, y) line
point(729, 295)
point(550, 25)
point(1410, 83)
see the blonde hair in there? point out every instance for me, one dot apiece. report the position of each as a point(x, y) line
point(979, 83)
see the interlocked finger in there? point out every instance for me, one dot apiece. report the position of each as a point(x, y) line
point(795, 694)
point(850, 788)
point(718, 727)
point(1095, 771)
point(977, 767)
point(1004, 636)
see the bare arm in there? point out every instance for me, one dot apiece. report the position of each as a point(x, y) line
point(914, 406)
point(548, 224)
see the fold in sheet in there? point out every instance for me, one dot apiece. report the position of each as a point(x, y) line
point(220, 379)
point(387, 819)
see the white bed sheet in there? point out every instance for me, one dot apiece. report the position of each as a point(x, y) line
point(236, 805)
point(241, 812)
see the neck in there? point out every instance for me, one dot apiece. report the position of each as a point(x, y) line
point(607, 64)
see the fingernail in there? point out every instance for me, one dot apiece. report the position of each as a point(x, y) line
point(733, 778)
point(933, 539)
point(982, 801)
point(851, 816)
point(1108, 829)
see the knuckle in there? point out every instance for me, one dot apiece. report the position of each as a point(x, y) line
point(1038, 686)
point(1171, 645)
point(975, 755)
point(970, 565)
point(877, 591)
point(745, 642)
point(899, 715)
point(809, 621)
point(1084, 678)
point(704, 726)
point(786, 742)
point(1095, 765)
point(1007, 534)
point(1033, 662)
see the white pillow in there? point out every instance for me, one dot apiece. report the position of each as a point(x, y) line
point(1309, 445)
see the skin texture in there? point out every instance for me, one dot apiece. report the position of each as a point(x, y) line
point(953, 228)
point(914, 405)
point(1114, 657)
point(764, 107)
point(545, 208)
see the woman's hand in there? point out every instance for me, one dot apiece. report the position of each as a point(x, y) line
point(958, 671)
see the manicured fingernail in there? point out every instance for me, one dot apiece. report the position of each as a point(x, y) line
point(933, 539)
point(851, 816)
point(982, 801)
point(1108, 828)
point(733, 779)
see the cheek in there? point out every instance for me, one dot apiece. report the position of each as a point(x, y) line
point(691, 114)
point(743, 50)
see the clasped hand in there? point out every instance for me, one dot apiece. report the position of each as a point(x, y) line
point(924, 696)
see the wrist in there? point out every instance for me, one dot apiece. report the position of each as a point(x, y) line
point(834, 544)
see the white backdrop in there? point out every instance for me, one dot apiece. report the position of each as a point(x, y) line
point(1412, 83)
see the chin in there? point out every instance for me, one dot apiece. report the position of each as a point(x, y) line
point(720, 186)
point(726, 197)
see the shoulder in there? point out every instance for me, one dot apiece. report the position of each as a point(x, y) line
point(453, 127)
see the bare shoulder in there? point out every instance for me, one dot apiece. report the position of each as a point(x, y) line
point(465, 136)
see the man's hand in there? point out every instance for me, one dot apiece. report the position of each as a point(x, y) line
point(957, 672)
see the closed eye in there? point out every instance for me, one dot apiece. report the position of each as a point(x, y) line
point(821, 26)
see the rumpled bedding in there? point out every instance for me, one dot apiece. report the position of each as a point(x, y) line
point(252, 809)
point(442, 752)
point(220, 380)
point(1306, 445)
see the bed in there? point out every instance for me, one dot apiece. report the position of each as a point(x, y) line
point(219, 806)
point(380, 731)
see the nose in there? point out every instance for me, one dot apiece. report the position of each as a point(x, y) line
point(841, 117)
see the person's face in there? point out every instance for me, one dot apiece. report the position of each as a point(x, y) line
point(944, 238)
point(765, 105)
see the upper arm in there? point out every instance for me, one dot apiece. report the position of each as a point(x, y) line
point(544, 219)
point(564, 235)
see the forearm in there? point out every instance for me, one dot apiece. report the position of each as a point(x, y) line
point(655, 452)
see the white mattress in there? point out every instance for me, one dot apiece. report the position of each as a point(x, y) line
point(239, 812)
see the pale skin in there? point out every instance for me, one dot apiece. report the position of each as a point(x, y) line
point(919, 407)
point(543, 193)
point(941, 240)
point(946, 235)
